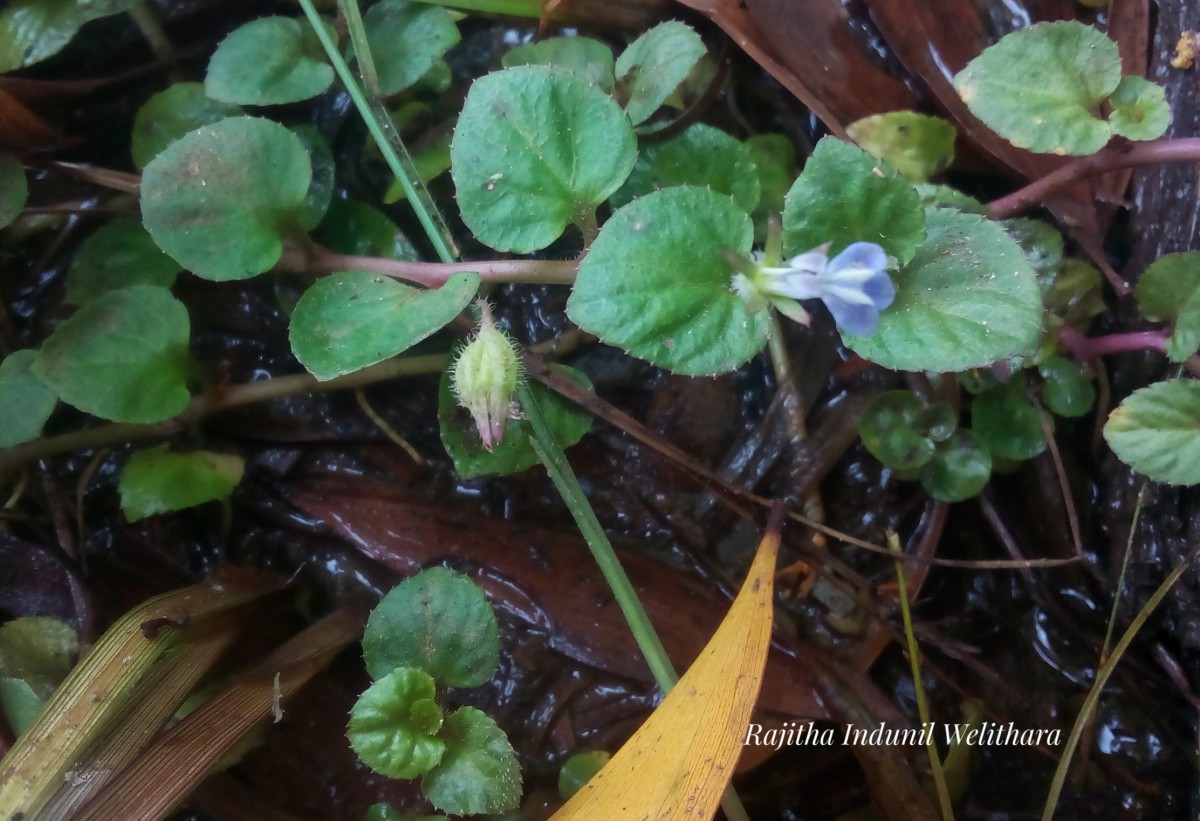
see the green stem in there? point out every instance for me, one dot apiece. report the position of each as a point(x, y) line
point(585, 518)
point(383, 138)
point(434, 274)
point(148, 24)
point(209, 404)
point(914, 660)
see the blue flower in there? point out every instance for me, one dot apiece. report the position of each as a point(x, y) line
point(854, 285)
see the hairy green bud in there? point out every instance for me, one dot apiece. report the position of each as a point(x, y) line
point(485, 377)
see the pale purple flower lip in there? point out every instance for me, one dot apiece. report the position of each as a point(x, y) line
point(854, 285)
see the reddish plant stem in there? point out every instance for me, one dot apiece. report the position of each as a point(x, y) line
point(1113, 158)
point(1089, 349)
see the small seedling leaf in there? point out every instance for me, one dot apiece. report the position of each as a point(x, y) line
point(844, 195)
point(590, 59)
point(654, 65)
point(959, 469)
point(1051, 103)
point(119, 254)
point(479, 772)
point(514, 453)
point(1066, 389)
point(703, 156)
point(657, 284)
point(1156, 431)
point(889, 429)
point(1139, 109)
point(270, 61)
point(156, 480)
point(967, 299)
point(14, 189)
point(25, 402)
point(122, 357)
point(406, 39)
point(1169, 291)
point(1007, 424)
point(394, 724)
point(916, 145)
point(438, 621)
point(536, 149)
point(170, 114)
point(347, 321)
point(221, 198)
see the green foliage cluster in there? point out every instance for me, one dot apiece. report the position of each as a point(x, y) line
point(432, 631)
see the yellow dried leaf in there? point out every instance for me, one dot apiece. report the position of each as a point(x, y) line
point(678, 764)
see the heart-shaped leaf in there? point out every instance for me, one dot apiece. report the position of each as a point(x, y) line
point(657, 284)
point(118, 255)
point(1156, 431)
point(25, 402)
point(1169, 290)
point(535, 149)
point(270, 61)
point(406, 39)
point(654, 65)
point(439, 621)
point(843, 196)
point(121, 357)
point(393, 724)
point(479, 772)
point(968, 298)
point(221, 198)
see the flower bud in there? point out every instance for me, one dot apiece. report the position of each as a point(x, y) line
point(485, 377)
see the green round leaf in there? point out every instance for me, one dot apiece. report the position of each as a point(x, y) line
point(703, 156)
point(1041, 87)
point(405, 40)
point(1156, 431)
point(1066, 389)
point(355, 228)
point(479, 772)
point(959, 469)
point(536, 148)
point(32, 30)
point(438, 621)
point(656, 283)
point(590, 59)
point(345, 322)
point(845, 195)
point(25, 402)
point(320, 189)
point(968, 298)
point(14, 189)
point(513, 453)
point(221, 198)
point(122, 357)
point(170, 114)
point(118, 255)
point(270, 61)
point(578, 770)
point(916, 145)
point(888, 429)
point(938, 421)
point(1139, 109)
point(1169, 291)
point(1007, 424)
point(390, 725)
point(156, 480)
point(654, 65)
